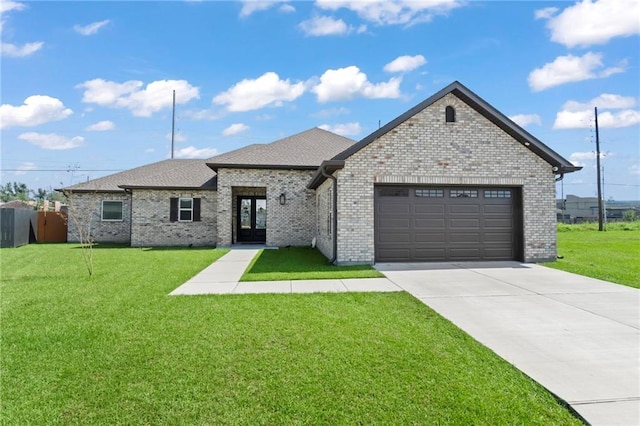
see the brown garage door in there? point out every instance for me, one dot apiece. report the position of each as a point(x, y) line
point(417, 224)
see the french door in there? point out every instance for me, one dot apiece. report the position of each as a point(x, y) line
point(252, 219)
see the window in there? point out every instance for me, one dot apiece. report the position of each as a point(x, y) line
point(463, 193)
point(500, 193)
point(184, 209)
point(390, 191)
point(450, 114)
point(430, 193)
point(112, 211)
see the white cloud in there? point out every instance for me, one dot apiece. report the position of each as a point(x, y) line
point(9, 49)
point(595, 22)
point(392, 12)
point(234, 129)
point(142, 102)
point(251, 6)
point(101, 126)
point(268, 89)
point(578, 158)
point(567, 69)
point(287, 8)
point(91, 28)
point(150, 150)
point(344, 129)
point(8, 6)
point(545, 13)
point(347, 83)
point(580, 115)
point(634, 169)
point(323, 26)
point(405, 63)
point(193, 152)
point(37, 109)
point(177, 137)
point(52, 141)
point(526, 119)
point(24, 168)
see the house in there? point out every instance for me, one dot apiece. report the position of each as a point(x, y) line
point(450, 179)
point(585, 209)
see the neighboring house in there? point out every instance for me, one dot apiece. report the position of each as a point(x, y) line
point(450, 179)
point(585, 209)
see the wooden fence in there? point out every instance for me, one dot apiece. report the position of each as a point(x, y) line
point(52, 227)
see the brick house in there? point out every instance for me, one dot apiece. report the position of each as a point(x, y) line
point(450, 179)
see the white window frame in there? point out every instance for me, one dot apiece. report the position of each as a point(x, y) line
point(180, 209)
point(102, 218)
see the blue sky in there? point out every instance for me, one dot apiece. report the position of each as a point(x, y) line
point(87, 86)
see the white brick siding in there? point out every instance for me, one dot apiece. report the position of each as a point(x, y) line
point(151, 225)
point(290, 224)
point(85, 209)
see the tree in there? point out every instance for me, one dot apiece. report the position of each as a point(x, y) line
point(81, 218)
point(629, 215)
point(14, 191)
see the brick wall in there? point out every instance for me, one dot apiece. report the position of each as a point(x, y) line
point(151, 225)
point(290, 224)
point(324, 231)
point(85, 209)
point(427, 150)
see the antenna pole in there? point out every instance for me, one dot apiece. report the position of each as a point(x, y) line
point(173, 122)
point(600, 226)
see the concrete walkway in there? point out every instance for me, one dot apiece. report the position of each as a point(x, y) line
point(223, 275)
point(577, 336)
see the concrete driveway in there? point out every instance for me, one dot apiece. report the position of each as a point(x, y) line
point(577, 336)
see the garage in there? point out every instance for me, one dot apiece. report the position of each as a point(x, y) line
point(429, 223)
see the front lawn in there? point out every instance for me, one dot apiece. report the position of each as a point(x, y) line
point(301, 263)
point(116, 349)
point(610, 255)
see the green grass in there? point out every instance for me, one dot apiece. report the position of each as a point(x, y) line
point(116, 349)
point(611, 255)
point(301, 263)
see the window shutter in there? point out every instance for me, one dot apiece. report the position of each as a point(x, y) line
point(196, 209)
point(173, 210)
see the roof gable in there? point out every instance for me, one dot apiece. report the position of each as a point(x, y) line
point(304, 150)
point(482, 107)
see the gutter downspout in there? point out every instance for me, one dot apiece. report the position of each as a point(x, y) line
point(335, 213)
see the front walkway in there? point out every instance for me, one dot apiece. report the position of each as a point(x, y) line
point(577, 336)
point(223, 276)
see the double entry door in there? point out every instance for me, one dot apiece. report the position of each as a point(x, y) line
point(252, 219)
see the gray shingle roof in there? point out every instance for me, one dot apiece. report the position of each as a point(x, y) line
point(305, 150)
point(179, 174)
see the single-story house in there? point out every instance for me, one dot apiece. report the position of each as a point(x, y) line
point(450, 179)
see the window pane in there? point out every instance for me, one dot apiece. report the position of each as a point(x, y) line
point(185, 215)
point(463, 193)
point(112, 210)
point(245, 214)
point(261, 214)
point(186, 203)
point(502, 193)
point(389, 191)
point(430, 193)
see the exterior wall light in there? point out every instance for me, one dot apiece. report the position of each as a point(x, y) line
point(283, 199)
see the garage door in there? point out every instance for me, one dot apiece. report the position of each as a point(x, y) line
point(417, 224)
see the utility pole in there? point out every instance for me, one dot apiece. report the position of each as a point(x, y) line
point(600, 226)
point(173, 123)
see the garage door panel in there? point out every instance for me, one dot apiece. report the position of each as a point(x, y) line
point(436, 209)
point(498, 209)
point(429, 254)
point(464, 208)
point(430, 237)
point(436, 224)
point(395, 237)
point(427, 223)
point(466, 237)
point(395, 223)
point(464, 223)
point(394, 209)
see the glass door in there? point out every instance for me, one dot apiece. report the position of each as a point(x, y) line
point(252, 219)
